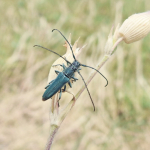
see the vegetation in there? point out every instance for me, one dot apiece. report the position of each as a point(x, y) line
point(121, 120)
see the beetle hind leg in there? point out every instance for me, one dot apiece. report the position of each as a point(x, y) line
point(63, 90)
point(69, 83)
point(60, 93)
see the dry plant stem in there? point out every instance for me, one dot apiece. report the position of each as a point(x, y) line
point(53, 132)
point(54, 128)
point(115, 45)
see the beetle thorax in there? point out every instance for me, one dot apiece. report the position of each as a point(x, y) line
point(72, 69)
point(75, 65)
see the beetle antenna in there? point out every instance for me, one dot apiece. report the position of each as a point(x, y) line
point(87, 90)
point(67, 42)
point(53, 52)
point(97, 71)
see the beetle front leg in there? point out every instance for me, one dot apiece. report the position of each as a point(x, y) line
point(57, 65)
point(68, 63)
point(59, 97)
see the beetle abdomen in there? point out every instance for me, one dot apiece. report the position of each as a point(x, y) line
point(55, 86)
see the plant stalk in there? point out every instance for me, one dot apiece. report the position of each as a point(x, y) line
point(53, 132)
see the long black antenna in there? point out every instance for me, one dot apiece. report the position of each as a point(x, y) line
point(52, 52)
point(97, 71)
point(67, 42)
point(87, 90)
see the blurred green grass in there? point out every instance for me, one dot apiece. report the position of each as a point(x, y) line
point(122, 118)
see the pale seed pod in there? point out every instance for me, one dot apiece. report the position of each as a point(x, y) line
point(135, 27)
point(68, 55)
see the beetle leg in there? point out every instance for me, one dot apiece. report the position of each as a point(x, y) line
point(64, 88)
point(69, 84)
point(47, 86)
point(57, 65)
point(60, 94)
point(64, 67)
point(57, 72)
point(74, 78)
point(59, 97)
point(58, 103)
point(68, 64)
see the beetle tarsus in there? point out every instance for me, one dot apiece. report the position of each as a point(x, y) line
point(60, 94)
point(74, 78)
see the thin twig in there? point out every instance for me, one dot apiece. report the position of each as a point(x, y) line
point(54, 130)
point(116, 43)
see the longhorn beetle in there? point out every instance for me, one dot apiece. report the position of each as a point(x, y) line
point(64, 77)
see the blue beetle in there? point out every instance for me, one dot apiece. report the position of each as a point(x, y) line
point(64, 77)
point(61, 80)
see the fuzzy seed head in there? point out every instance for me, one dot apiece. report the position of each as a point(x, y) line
point(135, 27)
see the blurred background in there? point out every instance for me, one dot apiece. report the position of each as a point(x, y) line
point(122, 117)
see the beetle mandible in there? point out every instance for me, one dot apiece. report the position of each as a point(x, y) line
point(64, 77)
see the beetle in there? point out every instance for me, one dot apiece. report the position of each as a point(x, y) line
point(64, 77)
